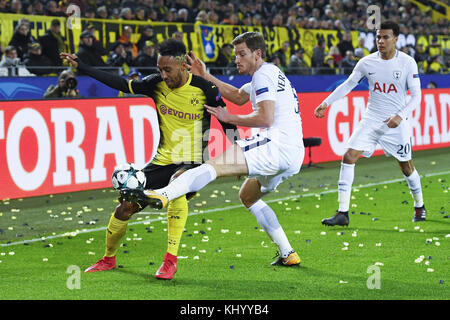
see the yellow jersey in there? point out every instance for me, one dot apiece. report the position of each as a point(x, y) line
point(183, 120)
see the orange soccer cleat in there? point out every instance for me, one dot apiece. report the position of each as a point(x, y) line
point(291, 260)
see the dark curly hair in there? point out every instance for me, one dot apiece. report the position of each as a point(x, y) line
point(392, 26)
point(172, 47)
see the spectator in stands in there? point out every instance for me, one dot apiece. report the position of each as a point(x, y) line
point(213, 17)
point(297, 64)
point(3, 6)
point(66, 87)
point(231, 19)
point(28, 8)
point(431, 85)
point(36, 62)
point(436, 65)
point(359, 54)
point(318, 54)
point(126, 14)
point(346, 43)
point(257, 20)
point(11, 61)
point(115, 14)
point(15, 7)
point(334, 52)
point(420, 55)
point(182, 15)
point(132, 75)
point(147, 58)
point(434, 48)
point(51, 9)
point(284, 53)
point(101, 13)
point(21, 38)
point(170, 15)
point(141, 14)
point(119, 56)
point(277, 20)
point(247, 20)
point(202, 17)
point(223, 59)
point(362, 46)
point(349, 62)
point(90, 13)
point(38, 8)
point(147, 34)
point(338, 25)
point(52, 43)
point(275, 59)
point(125, 39)
point(161, 8)
point(178, 35)
point(328, 67)
point(97, 45)
point(87, 51)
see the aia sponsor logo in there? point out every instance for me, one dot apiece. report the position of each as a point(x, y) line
point(384, 87)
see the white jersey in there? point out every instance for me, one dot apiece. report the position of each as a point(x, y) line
point(270, 83)
point(389, 81)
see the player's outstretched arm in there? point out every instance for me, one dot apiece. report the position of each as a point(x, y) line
point(228, 91)
point(108, 78)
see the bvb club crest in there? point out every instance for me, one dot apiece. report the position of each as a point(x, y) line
point(195, 100)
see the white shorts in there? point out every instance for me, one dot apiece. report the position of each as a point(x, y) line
point(270, 162)
point(395, 142)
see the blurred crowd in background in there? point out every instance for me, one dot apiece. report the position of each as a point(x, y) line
point(40, 55)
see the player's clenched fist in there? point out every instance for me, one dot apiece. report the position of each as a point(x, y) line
point(320, 110)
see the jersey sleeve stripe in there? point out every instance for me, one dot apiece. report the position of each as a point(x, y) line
point(130, 87)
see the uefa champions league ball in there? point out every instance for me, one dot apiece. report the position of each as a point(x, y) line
point(128, 176)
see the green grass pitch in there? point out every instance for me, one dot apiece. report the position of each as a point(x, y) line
point(45, 241)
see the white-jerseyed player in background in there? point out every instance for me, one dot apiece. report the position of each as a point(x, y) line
point(268, 158)
point(391, 74)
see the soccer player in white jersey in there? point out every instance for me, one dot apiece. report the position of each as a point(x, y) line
point(268, 157)
point(391, 74)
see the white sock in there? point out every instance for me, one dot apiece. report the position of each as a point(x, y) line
point(267, 219)
point(190, 181)
point(345, 185)
point(416, 188)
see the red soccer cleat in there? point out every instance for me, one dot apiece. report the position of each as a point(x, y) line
point(168, 267)
point(106, 263)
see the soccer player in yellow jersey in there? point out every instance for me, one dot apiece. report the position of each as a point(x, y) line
point(179, 97)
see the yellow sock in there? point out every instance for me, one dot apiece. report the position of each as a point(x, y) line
point(114, 233)
point(177, 212)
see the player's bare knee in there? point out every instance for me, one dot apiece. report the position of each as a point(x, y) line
point(246, 199)
point(125, 210)
point(407, 170)
point(407, 167)
point(350, 157)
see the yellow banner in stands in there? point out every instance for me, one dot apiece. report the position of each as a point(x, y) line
point(38, 26)
point(213, 37)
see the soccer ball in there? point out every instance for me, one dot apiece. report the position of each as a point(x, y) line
point(128, 176)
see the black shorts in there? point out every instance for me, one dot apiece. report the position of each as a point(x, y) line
point(159, 176)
